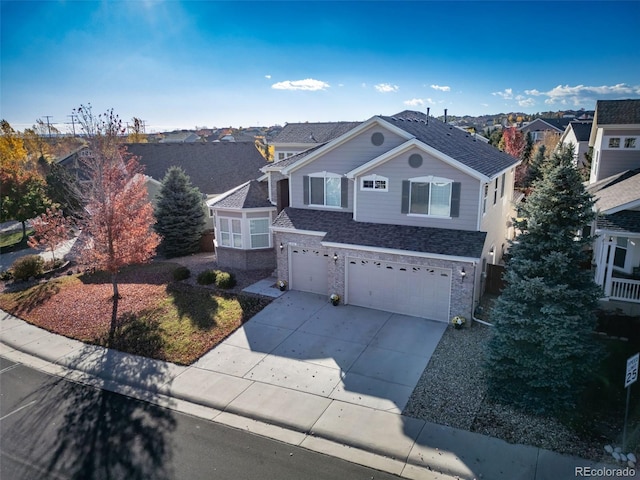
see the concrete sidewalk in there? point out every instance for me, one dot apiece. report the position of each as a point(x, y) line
point(380, 439)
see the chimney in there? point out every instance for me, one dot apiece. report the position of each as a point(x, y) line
point(445, 115)
point(428, 109)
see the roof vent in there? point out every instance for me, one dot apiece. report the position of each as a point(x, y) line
point(445, 115)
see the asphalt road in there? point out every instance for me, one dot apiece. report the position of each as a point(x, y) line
point(51, 428)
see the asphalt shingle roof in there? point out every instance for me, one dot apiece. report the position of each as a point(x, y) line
point(456, 143)
point(252, 195)
point(627, 221)
point(313, 132)
point(214, 168)
point(341, 228)
point(616, 190)
point(582, 130)
point(616, 112)
point(298, 156)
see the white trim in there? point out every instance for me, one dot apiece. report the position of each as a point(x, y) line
point(431, 180)
point(324, 175)
point(314, 233)
point(336, 142)
point(393, 251)
point(224, 195)
point(625, 206)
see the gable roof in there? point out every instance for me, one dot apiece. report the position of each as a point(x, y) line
point(252, 194)
point(626, 221)
point(339, 227)
point(581, 130)
point(616, 192)
point(618, 112)
point(453, 142)
point(556, 124)
point(213, 167)
point(312, 133)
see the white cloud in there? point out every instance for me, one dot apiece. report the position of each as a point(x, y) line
point(386, 87)
point(533, 92)
point(414, 102)
point(418, 102)
point(268, 77)
point(507, 94)
point(308, 84)
point(525, 102)
point(442, 88)
point(576, 95)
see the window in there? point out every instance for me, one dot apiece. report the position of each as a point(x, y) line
point(614, 142)
point(230, 232)
point(431, 196)
point(211, 214)
point(281, 156)
point(327, 189)
point(620, 256)
point(495, 191)
point(630, 142)
point(504, 177)
point(259, 230)
point(375, 182)
point(484, 198)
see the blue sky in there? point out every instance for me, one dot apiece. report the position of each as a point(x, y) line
point(186, 64)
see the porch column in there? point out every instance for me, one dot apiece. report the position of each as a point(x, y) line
point(611, 249)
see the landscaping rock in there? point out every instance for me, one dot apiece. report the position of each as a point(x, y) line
point(618, 449)
point(631, 457)
point(616, 455)
point(608, 448)
point(623, 457)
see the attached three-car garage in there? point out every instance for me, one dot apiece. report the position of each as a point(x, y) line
point(419, 291)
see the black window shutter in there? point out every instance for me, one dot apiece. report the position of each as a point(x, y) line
point(455, 199)
point(344, 193)
point(305, 189)
point(405, 196)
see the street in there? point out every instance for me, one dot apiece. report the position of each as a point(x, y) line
point(57, 429)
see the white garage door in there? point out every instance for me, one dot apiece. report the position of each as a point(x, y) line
point(410, 290)
point(309, 270)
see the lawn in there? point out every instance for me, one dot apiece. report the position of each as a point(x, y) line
point(10, 239)
point(157, 317)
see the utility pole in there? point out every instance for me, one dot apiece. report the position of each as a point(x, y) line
point(48, 124)
point(73, 123)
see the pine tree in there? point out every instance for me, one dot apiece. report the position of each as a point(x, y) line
point(179, 214)
point(535, 169)
point(542, 349)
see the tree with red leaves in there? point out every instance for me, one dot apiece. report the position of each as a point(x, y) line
point(514, 142)
point(51, 229)
point(118, 216)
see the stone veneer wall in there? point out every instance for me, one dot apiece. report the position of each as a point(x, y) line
point(246, 259)
point(462, 302)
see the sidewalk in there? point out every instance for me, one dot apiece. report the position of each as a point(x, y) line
point(379, 439)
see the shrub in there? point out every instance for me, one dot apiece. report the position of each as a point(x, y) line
point(207, 277)
point(27, 267)
point(225, 279)
point(181, 273)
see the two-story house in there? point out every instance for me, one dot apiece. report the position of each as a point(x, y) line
point(399, 213)
point(615, 184)
point(297, 137)
point(577, 135)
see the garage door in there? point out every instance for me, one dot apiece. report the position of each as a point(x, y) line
point(309, 270)
point(410, 290)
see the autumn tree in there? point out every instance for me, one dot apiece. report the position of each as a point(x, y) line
point(50, 230)
point(136, 131)
point(179, 214)
point(118, 216)
point(542, 348)
point(22, 187)
point(514, 142)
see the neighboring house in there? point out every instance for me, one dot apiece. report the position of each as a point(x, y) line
point(399, 213)
point(214, 168)
point(180, 137)
point(617, 242)
point(577, 134)
point(540, 127)
point(615, 138)
point(297, 137)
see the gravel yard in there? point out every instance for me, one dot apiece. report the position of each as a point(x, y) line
point(452, 392)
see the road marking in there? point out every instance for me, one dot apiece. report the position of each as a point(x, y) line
point(18, 409)
point(10, 367)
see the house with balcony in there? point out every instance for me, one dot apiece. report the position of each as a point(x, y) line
point(400, 213)
point(615, 140)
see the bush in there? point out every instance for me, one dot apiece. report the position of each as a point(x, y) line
point(225, 279)
point(207, 277)
point(181, 273)
point(28, 266)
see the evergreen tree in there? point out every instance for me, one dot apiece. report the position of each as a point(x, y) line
point(179, 214)
point(535, 169)
point(542, 349)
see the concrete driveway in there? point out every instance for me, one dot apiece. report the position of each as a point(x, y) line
point(358, 355)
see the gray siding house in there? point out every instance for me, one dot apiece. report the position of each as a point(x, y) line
point(399, 213)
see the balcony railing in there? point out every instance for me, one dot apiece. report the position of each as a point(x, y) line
point(625, 290)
